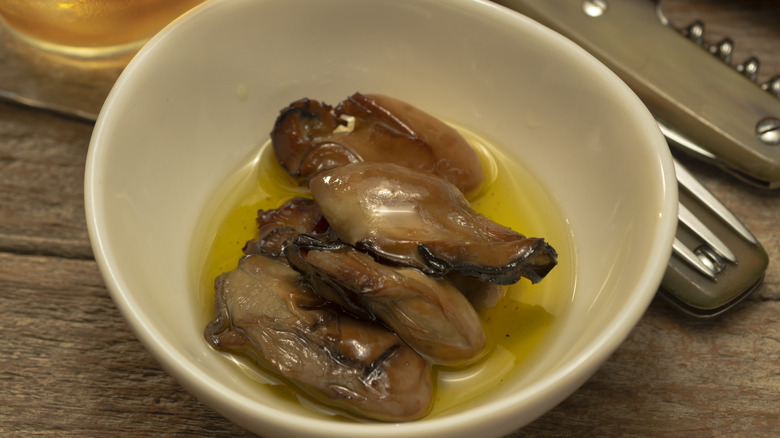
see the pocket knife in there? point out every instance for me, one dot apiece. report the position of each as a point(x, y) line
point(690, 87)
point(705, 107)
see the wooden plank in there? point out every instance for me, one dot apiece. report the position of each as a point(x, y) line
point(70, 365)
point(42, 159)
point(677, 376)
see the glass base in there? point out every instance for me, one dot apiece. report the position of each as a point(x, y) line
point(78, 52)
point(76, 87)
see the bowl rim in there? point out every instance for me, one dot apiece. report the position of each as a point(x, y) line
point(538, 396)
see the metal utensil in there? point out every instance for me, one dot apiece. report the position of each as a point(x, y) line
point(698, 99)
point(716, 260)
point(714, 103)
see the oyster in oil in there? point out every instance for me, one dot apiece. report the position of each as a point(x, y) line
point(430, 314)
point(265, 310)
point(309, 137)
point(417, 219)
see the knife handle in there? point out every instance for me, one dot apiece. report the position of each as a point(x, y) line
point(715, 105)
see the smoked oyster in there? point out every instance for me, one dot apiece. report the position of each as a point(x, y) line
point(264, 309)
point(418, 219)
point(353, 295)
point(276, 228)
point(430, 314)
point(309, 137)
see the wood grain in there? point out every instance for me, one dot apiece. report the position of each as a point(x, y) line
point(41, 183)
point(70, 366)
point(675, 376)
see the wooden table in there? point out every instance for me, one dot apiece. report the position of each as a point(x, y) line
point(69, 365)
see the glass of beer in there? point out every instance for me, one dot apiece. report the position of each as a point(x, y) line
point(89, 28)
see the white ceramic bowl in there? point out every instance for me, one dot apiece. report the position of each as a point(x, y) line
point(196, 102)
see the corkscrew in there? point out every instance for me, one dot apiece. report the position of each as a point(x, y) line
point(706, 107)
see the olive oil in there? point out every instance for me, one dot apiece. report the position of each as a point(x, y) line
point(511, 196)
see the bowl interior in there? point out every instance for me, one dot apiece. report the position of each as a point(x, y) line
point(197, 102)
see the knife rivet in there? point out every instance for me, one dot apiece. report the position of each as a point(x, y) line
point(749, 68)
point(695, 32)
point(594, 8)
point(768, 130)
point(772, 86)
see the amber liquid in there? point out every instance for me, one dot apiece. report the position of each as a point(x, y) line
point(516, 326)
point(89, 24)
